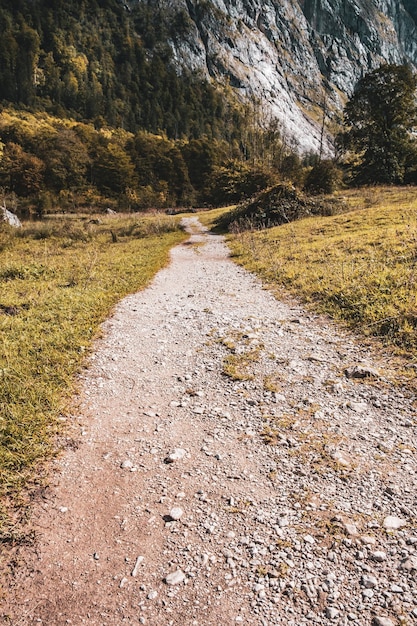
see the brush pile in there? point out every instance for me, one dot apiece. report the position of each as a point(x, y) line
point(277, 205)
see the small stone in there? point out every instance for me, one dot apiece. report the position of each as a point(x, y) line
point(393, 523)
point(63, 509)
point(135, 570)
point(176, 513)
point(396, 589)
point(175, 578)
point(368, 540)
point(176, 455)
point(373, 524)
point(122, 583)
point(379, 556)
point(409, 564)
point(126, 464)
point(96, 556)
point(358, 407)
point(368, 593)
point(351, 529)
point(309, 539)
point(382, 621)
point(331, 612)
point(369, 581)
point(359, 371)
point(152, 595)
point(341, 458)
point(392, 490)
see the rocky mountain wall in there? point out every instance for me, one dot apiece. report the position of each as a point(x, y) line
point(294, 56)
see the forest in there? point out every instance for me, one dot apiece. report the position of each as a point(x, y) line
point(94, 114)
point(97, 61)
point(94, 111)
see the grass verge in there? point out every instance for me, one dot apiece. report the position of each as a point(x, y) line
point(59, 280)
point(359, 266)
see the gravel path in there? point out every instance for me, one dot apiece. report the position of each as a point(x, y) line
point(234, 466)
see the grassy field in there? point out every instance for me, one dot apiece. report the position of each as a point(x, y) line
point(59, 280)
point(359, 267)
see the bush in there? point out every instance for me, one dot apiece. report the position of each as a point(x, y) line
point(324, 177)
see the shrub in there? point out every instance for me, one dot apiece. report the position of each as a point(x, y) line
point(324, 177)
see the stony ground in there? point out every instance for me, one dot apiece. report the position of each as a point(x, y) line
point(239, 461)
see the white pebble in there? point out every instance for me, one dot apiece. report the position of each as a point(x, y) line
point(393, 523)
point(369, 581)
point(368, 540)
point(176, 455)
point(331, 612)
point(175, 578)
point(176, 513)
point(135, 570)
point(382, 621)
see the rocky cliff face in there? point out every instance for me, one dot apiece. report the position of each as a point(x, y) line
point(297, 57)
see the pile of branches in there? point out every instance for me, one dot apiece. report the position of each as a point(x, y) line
point(277, 205)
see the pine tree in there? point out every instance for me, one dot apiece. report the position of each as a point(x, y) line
point(379, 122)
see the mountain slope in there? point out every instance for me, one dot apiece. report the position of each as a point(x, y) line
point(156, 64)
point(294, 55)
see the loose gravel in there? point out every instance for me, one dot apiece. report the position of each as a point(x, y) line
point(238, 460)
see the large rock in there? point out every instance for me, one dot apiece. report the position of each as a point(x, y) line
point(9, 217)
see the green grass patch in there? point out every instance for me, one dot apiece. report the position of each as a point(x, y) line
point(359, 266)
point(211, 217)
point(59, 280)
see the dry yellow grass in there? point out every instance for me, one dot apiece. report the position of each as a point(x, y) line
point(359, 267)
point(59, 279)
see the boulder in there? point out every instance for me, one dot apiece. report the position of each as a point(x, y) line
point(9, 217)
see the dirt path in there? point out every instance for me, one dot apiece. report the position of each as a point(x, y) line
point(284, 493)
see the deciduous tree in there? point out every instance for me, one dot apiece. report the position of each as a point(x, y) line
point(20, 171)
